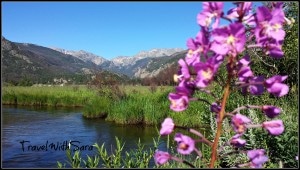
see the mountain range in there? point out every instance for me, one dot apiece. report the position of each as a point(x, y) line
point(46, 64)
point(137, 66)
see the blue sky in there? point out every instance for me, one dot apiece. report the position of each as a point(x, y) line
point(107, 29)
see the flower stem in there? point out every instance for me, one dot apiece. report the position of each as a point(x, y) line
point(244, 107)
point(242, 165)
point(254, 126)
point(221, 115)
point(182, 161)
point(195, 132)
point(253, 46)
point(168, 141)
point(242, 84)
point(203, 139)
point(198, 152)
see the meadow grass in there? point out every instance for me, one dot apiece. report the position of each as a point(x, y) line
point(137, 104)
point(97, 107)
point(50, 96)
point(150, 106)
point(140, 108)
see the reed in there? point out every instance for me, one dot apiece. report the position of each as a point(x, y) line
point(139, 105)
point(97, 107)
point(49, 96)
point(126, 111)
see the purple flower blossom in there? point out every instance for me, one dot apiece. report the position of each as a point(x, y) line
point(202, 38)
point(192, 44)
point(218, 59)
point(237, 141)
point(244, 70)
point(179, 102)
point(161, 157)
point(204, 74)
point(197, 47)
point(238, 122)
point(274, 127)
point(256, 87)
point(184, 69)
point(214, 107)
point(167, 127)
point(249, 20)
point(269, 32)
point(185, 144)
point(273, 49)
point(275, 86)
point(270, 23)
point(277, 5)
point(245, 73)
point(245, 61)
point(186, 88)
point(206, 71)
point(216, 7)
point(180, 99)
point(229, 39)
point(271, 111)
point(211, 10)
point(192, 57)
point(243, 10)
point(257, 157)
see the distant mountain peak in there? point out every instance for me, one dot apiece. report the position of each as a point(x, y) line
point(37, 58)
point(158, 52)
point(153, 53)
point(82, 55)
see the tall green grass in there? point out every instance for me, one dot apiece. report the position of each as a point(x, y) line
point(97, 107)
point(135, 104)
point(117, 158)
point(143, 105)
point(48, 96)
point(138, 108)
point(126, 111)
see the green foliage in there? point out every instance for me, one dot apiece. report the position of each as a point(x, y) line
point(127, 111)
point(288, 65)
point(92, 162)
point(46, 95)
point(135, 158)
point(145, 107)
point(113, 160)
point(138, 158)
point(97, 107)
point(26, 64)
point(74, 161)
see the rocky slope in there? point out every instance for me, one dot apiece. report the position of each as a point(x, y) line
point(22, 61)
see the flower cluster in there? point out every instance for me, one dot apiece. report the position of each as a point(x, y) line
point(215, 45)
point(185, 144)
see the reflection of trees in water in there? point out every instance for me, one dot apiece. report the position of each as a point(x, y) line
point(46, 109)
point(130, 134)
point(37, 115)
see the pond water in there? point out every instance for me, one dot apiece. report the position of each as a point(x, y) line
point(36, 137)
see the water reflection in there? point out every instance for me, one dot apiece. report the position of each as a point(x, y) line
point(45, 125)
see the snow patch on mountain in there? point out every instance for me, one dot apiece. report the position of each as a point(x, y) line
point(83, 55)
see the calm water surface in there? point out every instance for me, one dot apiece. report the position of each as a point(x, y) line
point(38, 126)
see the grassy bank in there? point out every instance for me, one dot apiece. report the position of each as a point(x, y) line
point(47, 96)
point(149, 106)
point(135, 104)
point(123, 104)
